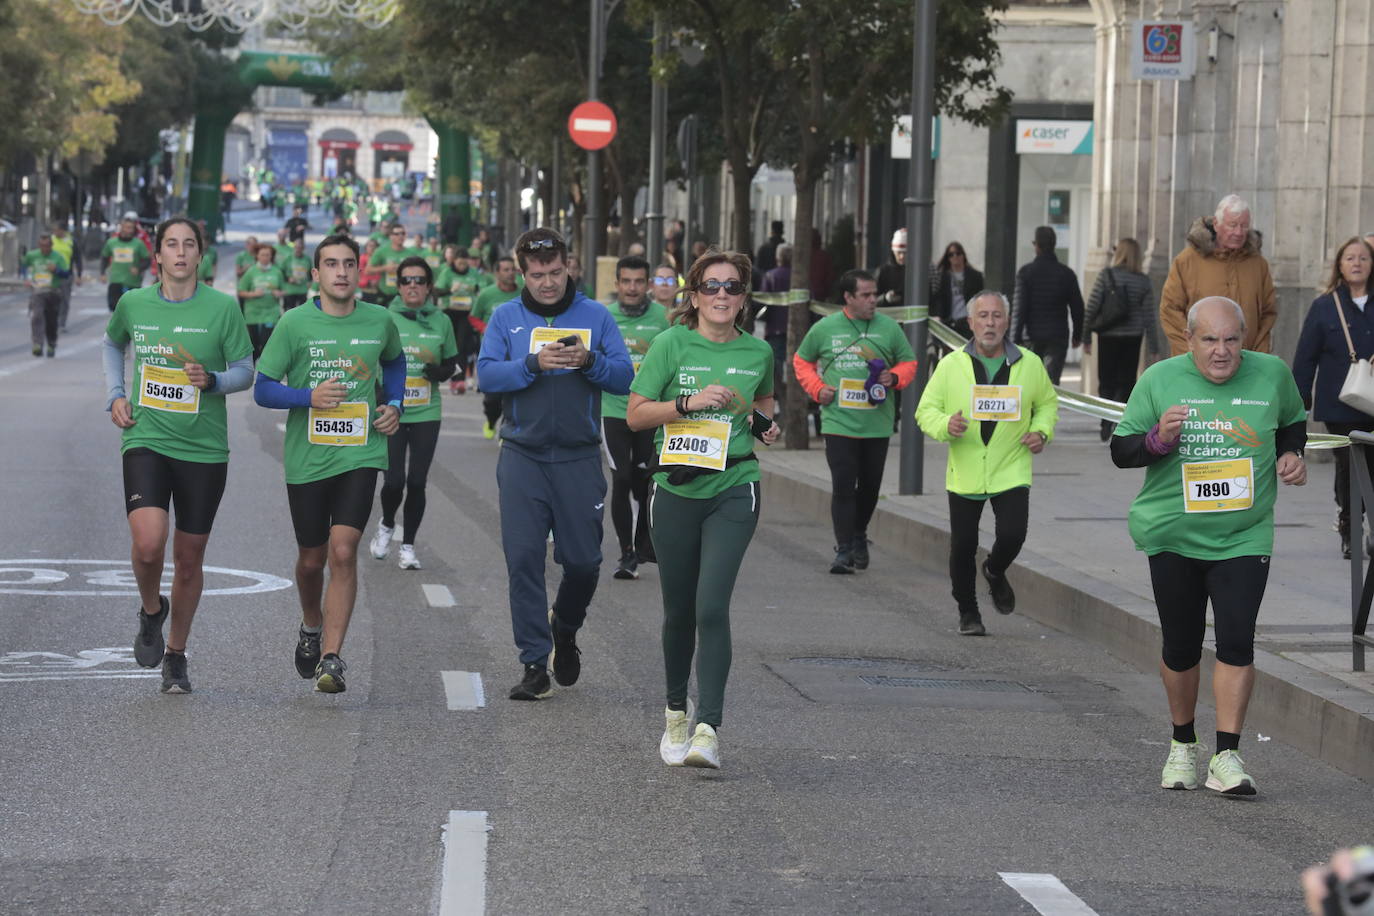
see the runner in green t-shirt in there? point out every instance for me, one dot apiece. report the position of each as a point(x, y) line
point(701, 385)
point(323, 363)
point(849, 363)
point(260, 292)
point(283, 247)
point(45, 294)
point(246, 258)
point(463, 282)
point(209, 261)
point(507, 287)
point(630, 452)
point(1214, 428)
point(190, 349)
point(387, 257)
point(122, 262)
point(295, 276)
point(431, 357)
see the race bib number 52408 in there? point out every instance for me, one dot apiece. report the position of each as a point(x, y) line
point(695, 443)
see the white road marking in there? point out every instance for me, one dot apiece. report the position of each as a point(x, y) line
point(281, 427)
point(463, 689)
point(1047, 894)
point(94, 311)
point(119, 575)
point(85, 664)
point(438, 595)
point(464, 887)
point(62, 353)
point(75, 676)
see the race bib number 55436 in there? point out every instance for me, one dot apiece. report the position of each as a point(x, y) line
point(164, 388)
point(343, 425)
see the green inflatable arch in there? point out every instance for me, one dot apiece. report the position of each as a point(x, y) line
point(310, 72)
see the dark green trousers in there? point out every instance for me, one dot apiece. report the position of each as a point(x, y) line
point(700, 545)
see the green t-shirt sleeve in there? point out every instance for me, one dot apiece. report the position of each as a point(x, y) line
point(246, 281)
point(1142, 413)
point(107, 250)
point(765, 389)
point(898, 345)
point(656, 371)
point(117, 328)
point(275, 360)
point(237, 344)
point(449, 346)
point(391, 344)
point(810, 349)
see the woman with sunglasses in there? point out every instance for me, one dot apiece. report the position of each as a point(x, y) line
point(953, 285)
point(707, 388)
point(665, 286)
point(431, 358)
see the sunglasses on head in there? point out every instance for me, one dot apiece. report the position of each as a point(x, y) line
point(413, 281)
point(731, 287)
point(537, 244)
point(665, 281)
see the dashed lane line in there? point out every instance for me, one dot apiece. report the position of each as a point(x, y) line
point(63, 352)
point(463, 891)
point(1047, 894)
point(463, 689)
point(438, 595)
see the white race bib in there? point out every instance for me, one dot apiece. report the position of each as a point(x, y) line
point(996, 402)
point(343, 425)
point(695, 443)
point(164, 388)
point(418, 390)
point(852, 396)
point(1218, 486)
point(123, 256)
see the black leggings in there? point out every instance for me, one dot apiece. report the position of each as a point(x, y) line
point(464, 338)
point(1012, 511)
point(1342, 480)
point(258, 334)
point(491, 408)
point(422, 439)
point(629, 455)
point(1117, 359)
point(1182, 587)
point(856, 475)
point(317, 506)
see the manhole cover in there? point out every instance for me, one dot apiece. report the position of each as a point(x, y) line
point(944, 683)
point(826, 661)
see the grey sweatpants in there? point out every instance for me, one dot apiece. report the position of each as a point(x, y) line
point(44, 305)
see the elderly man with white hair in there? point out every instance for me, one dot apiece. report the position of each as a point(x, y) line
point(1221, 258)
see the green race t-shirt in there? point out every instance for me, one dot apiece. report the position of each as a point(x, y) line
point(310, 346)
point(681, 361)
point(464, 288)
point(1223, 467)
point(296, 273)
point(43, 268)
point(638, 333)
point(385, 254)
point(841, 348)
point(245, 260)
point(171, 417)
point(259, 305)
point(284, 251)
point(443, 278)
point(490, 297)
point(209, 260)
point(427, 340)
point(127, 261)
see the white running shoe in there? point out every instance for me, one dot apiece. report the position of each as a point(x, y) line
point(408, 560)
point(677, 736)
point(381, 542)
point(704, 750)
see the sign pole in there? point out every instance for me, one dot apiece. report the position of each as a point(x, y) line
point(591, 243)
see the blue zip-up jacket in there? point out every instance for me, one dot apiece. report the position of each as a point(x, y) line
point(554, 415)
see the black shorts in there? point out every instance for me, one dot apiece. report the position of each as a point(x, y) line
point(1182, 589)
point(344, 499)
point(152, 480)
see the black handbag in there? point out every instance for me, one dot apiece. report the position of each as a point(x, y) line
point(1113, 309)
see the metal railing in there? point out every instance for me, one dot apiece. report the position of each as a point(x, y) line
point(1361, 585)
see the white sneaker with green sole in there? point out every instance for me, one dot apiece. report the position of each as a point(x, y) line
point(1226, 774)
point(1180, 770)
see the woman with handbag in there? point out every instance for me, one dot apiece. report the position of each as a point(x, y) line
point(1337, 341)
point(1121, 312)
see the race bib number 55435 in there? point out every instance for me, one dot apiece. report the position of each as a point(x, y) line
point(343, 425)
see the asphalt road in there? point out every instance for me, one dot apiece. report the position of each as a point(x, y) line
point(874, 761)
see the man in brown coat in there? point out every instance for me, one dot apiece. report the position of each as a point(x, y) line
point(1221, 258)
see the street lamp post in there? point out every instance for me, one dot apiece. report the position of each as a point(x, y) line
point(658, 139)
point(591, 243)
point(920, 229)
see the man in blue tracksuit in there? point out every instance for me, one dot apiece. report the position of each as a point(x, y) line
point(550, 352)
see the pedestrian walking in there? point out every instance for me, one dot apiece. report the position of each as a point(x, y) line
point(993, 403)
point(1221, 258)
point(1215, 429)
point(1338, 330)
point(706, 388)
point(953, 285)
point(1121, 312)
point(44, 267)
point(64, 244)
point(1045, 291)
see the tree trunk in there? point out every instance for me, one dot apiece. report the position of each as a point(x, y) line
point(628, 235)
point(799, 316)
point(742, 182)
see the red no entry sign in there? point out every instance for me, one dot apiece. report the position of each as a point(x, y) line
point(592, 125)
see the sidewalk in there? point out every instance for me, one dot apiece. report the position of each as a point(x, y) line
point(1080, 573)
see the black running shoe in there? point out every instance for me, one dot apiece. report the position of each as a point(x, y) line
point(149, 645)
point(566, 659)
point(307, 654)
point(626, 568)
point(1003, 598)
point(843, 564)
point(329, 676)
point(971, 624)
point(174, 679)
point(858, 551)
point(534, 685)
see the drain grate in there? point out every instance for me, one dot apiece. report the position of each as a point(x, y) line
point(829, 661)
point(944, 683)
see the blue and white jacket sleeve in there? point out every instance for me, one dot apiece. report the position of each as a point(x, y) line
point(613, 371)
point(498, 367)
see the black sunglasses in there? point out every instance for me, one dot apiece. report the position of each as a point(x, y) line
point(731, 287)
point(537, 244)
point(413, 281)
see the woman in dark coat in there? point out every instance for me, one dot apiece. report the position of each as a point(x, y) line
point(1118, 347)
point(953, 284)
point(1323, 357)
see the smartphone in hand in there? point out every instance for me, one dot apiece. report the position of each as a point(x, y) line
point(760, 423)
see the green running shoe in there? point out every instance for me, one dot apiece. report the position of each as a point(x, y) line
point(1180, 770)
point(1226, 774)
